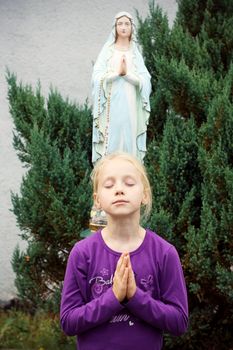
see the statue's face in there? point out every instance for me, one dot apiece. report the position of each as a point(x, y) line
point(123, 27)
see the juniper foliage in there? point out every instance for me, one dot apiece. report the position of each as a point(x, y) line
point(53, 141)
point(189, 157)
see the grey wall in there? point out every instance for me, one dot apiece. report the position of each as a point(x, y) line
point(56, 42)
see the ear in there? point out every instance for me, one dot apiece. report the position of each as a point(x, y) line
point(96, 200)
point(145, 198)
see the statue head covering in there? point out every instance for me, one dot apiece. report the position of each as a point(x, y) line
point(112, 37)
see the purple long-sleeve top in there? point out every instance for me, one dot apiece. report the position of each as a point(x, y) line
point(90, 310)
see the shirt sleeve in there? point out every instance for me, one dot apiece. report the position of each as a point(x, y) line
point(77, 314)
point(170, 313)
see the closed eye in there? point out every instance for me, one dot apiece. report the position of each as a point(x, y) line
point(130, 184)
point(108, 186)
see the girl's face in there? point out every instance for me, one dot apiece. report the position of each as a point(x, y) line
point(120, 190)
point(123, 27)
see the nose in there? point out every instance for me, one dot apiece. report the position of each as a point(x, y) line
point(119, 189)
point(119, 192)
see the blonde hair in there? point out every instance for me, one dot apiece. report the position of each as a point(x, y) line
point(136, 163)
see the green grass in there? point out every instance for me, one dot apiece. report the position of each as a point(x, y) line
point(19, 330)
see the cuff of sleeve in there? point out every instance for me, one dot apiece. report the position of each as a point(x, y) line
point(111, 77)
point(136, 300)
point(132, 78)
point(113, 303)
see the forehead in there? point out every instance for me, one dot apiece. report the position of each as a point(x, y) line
point(118, 167)
point(123, 19)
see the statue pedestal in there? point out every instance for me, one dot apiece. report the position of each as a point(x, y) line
point(98, 219)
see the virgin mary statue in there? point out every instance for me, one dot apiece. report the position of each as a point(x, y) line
point(121, 88)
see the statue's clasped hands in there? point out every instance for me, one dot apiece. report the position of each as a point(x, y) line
point(124, 285)
point(123, 66)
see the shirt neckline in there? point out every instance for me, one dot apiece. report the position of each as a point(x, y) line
point(134, 252)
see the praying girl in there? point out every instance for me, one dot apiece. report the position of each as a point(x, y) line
point(124, 285)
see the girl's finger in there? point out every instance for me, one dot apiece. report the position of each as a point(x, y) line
point(122, 267)
point(125, 276)
point(119, 263)
point(129, 262)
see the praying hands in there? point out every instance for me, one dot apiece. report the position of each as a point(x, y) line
point(124, 285)
point(123, 66)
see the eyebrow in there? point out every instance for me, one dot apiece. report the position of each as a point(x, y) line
point(111, 178)
point(108, 178)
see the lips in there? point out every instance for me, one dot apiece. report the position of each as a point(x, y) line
point(120, 201)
